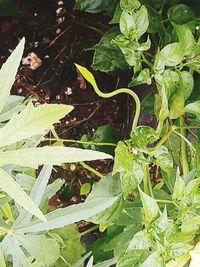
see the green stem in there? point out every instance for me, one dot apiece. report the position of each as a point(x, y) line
point(149, 181)
point(146, 61)
point(165, 201)
point(64, 260)
point(87, 167)
point(165, 137)
point(122, 91)
point(184, 152)
point(80, 142)
point(95, 227)
point(145, 180)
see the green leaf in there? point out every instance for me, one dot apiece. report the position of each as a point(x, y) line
point(85, 189)
point(107, 56)
point(8, 72)
point(134, 24)
point(194, 108)
point(95, 6)
point(191, 225)
point(150, 207)
point(8, 185)
point(56, 155)
point(186, 38)
point(162, 222)
point(130, 5)
point(69, 215)
point(159, 63)
point(172, 54)
point(143, 77)
point(182, 14)
point(179, 187)
point(187, 83)
point(176, 105)
point(139, 241)
point(143, 136)
point(71, 246)
point(38, 246)
point(2, 260)
point(133, 258)
point(32, 121)
point(154, 259)
point(131, 171)
point(36, 193)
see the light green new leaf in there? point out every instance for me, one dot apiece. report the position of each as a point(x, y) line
point(66, 216)
point(129, 5)
point(154, 260)
point(187, 83)
point(133, 258)
point(2, 260)
point(139, 241)
point(13, 189)
point(172, 54)
point(176, 105)
point(186, 38)
point(193, 108)
point(56, 155)
point(179, 187)
point(32, 121)
point(150, 207)
point(44, 250)
point(8, 72)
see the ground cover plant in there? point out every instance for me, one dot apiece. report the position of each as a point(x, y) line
point(148, 206)
point(155, 219)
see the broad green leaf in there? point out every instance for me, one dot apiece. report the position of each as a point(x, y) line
point(176, 105)
point(143, 77)
point(159, 63)
point(172, 54)
point(71, 246)
point(131, 171)
point(2, 260)
point(134, 24)
point(187, 83)
point(191, 225)
point(179, 262)
point(179, 187)
point(139, 241)
point(44, 250)
point(133, 258)
point(69, 215)
point(193, 108)
point(130, 5)
point(186, 38)
point(107, 56)
point(95, 6)
point(55, 155)
point(162, 222)
point(150, 207)
point(182, 14)
point(8, 185)
point(155, 260)
point(8, 72)
point(32, 121)
point(143, 136)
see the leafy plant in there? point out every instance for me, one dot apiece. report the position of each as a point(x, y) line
point(155, 221)
point(26, 239)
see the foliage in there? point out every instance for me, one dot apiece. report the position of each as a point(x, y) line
point(26, 239)
point(155, 221)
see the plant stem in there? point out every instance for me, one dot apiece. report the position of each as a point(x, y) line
point(146, 61)
point(149, 181)
point(146, 178)
point(87, 167)
point(184, 151)
point(80, 142)
point(64, 260)
point(165, 136)
point(95, 227)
